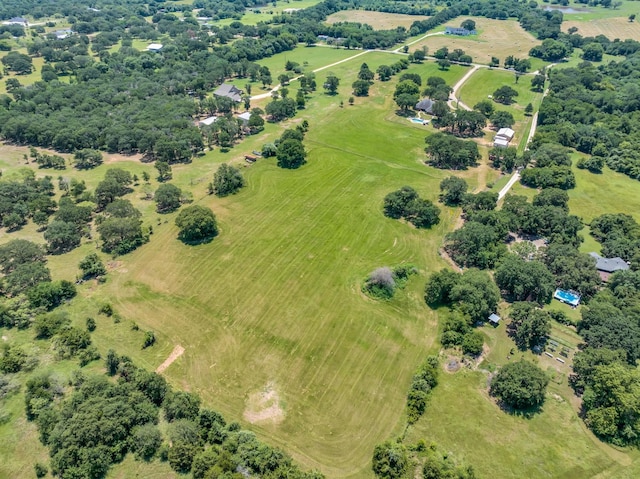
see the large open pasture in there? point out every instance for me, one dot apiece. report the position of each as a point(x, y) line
point(495, 38)
point(378, 20)
point(611, 28)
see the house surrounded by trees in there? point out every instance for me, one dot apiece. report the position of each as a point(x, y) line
point(230, 91)
point(607, 266)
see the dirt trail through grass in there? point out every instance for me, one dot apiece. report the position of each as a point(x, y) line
point(175, 354)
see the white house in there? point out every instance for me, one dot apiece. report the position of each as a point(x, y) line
point(155, 47)
point(17, 21)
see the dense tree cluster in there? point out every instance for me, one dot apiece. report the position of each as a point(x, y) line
point(447, 151)
point(406, 203)
point(29, 198)
point(619, 234)
point(227, 180)
point(424, 380)
point(530, 326)
point(100, 421)
point(383, 282)
point(196, 223)
point(520, 385)
point(602, 122)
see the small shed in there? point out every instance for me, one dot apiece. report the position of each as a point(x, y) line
point(250, 158)
point(500, 142)
point(494, 319)
point(506, 133)
point(208, 121)
point(244, 117)
point(155, 47)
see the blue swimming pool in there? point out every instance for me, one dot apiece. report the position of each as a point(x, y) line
point(417, 120)
point(567, 297)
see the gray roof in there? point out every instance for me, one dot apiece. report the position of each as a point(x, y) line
point(609, 265)
point(230, 91)
point(425, 105)
point(494, 318)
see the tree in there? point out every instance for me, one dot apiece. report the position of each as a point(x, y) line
point(475, 245)
point(468, 24)
point(472, 343)
point(87, 158)
point(452, 190)
point(406, 94)
point(422, 213)
point(121, 235)
point(520, 385)
point(256, 122)
point(381, 283)
point(331, 84)
point(196, 223)
point(446, 151)
point(19, 252)
point(360, 88)
point(532, 329)
point(180, 405)
point(62, 237)
point(167, 198)
point(397, 202)
point(414, 77)
point(632, 17)
point(444, 64)
point(385, 72)
point(593, 52)
point(485, 107)
point(475, 294)
point(390, 460)
point(92, 266)
point(502, 119)
point(164, 170)
point(291, 154)
point(146, 441)
point(505, 94)
point(438, 288)
point(365, 74)
point(227, 180)
point(528, 110)
point(537, 82)
point(495, 62)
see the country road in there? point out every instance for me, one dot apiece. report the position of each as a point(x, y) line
point(454, 99)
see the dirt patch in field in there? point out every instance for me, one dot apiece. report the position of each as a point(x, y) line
point(175, 354)
point(110, 158)
point(378, 20)
point(264, 406)
point(612, 28)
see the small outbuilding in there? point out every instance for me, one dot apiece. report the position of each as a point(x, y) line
point(244, 117)
point(499, 142)
point(62, 34)
point(425, 105)
point(155, 47)
point(494, 319)
point(207, 121)
point(506, 133)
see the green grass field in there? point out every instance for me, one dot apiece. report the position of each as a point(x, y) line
point(484, 82)
point(261, 14)
point(274, 302)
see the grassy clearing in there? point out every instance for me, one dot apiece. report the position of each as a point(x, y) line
point(463, 419)
point(586, 13)
point(485, 81)
point(378, 20)
point(255, 15)
point(611, 28)
point(495, 38)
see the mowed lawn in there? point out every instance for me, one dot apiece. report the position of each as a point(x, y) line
point(495, 38)
point(378, 20)
point(485, 81)
point(275, 302)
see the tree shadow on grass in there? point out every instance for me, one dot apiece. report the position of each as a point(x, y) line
point(197, 242)
point(528, 413)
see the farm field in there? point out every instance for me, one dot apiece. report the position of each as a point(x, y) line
point(495, 38)
point(378, 20)
point(586, 13)
point(612, 28)
point(261, 14)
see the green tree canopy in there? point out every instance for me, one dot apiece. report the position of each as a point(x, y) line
point(520, 385)
point(196, 223)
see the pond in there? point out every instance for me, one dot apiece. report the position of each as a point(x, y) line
point(549, 8)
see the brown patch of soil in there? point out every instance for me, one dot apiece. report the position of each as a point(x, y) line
point(264, 406)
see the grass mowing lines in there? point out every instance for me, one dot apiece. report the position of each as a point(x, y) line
point(378, 20)
point(611, 28)
point(275, 298)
